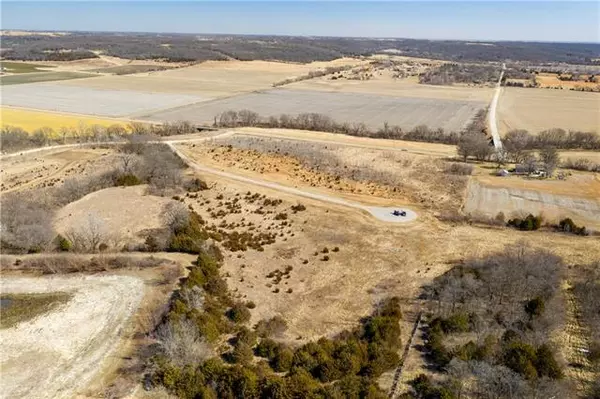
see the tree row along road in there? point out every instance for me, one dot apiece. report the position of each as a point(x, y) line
point(493, 120)
point(381, 213)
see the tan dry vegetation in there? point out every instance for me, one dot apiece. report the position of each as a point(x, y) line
point(52, 167)
point(392, 177)
point(536, 110)
point(211, 78)
point(552, 80)
point(126, 213)
point(578, 184)
point(443, 150)
point(375, 259)
point(385, 84)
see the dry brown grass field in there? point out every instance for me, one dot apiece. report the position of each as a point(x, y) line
point(539, 109)
point(374, 259)
point(385, 84)
point(551, 80)
point(212, 78)
point(29, 172)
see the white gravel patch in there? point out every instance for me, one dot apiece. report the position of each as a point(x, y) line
point(387, 214)
point(58, 354)
point(88, 101)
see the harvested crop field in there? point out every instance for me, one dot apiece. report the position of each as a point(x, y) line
point(22, 78)
point(111, 103)
point(539, 109)
point(373, 110)
point(211, 78)
point(31, 120)
point(406, 87)
point(57, 354)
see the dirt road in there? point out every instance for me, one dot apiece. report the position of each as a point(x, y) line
point(57, 354)
point(381, 213)
point(493, 123)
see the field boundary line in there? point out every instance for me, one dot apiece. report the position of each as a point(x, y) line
point(398, 374)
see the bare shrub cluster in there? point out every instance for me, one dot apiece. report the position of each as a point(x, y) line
point(324, 123)
point(582, 164)
point(492, 319)
point(14, 139)
point(516, 142)
point(448, 74)
point(314, 74)
point(25, 224)
point(69, 263)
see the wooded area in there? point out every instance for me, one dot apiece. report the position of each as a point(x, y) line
point(187, 47)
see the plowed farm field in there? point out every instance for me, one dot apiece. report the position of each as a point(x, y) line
point(373, 110)
point(87, 101)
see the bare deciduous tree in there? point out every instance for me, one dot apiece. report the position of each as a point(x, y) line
point(89, 234)
point(182, 343)
point(175, 215)
point(516, 143)
point(549, 156)
point(25, 224)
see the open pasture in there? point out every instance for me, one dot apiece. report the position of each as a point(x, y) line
point(373, 110)
point(79, 100)
point(32, 120)
point(539, 109)
point(383, 83)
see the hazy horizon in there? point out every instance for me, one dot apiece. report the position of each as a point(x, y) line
point(478, 21)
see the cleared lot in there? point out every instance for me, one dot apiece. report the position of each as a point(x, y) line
point(539, 109)
point(79, 100)
point(373, 110)
point(57, 354)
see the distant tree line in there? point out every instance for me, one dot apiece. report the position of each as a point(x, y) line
point(184, 47)
point(13, 139)
point(324, 123)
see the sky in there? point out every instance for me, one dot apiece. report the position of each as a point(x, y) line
point(564, 21)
